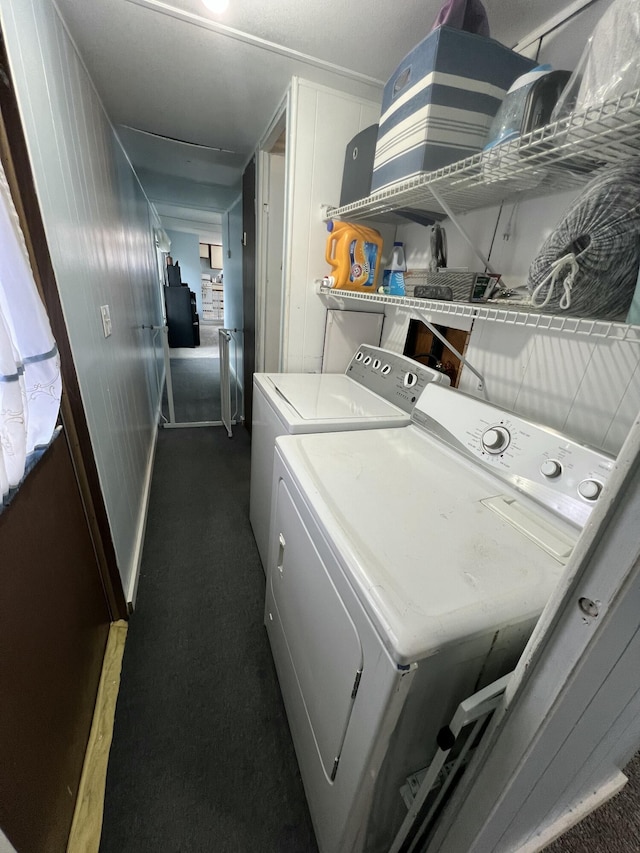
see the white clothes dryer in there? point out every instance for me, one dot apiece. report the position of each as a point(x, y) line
point(406, 570)
point(378, 389)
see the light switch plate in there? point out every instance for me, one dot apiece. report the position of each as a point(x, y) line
point(106, 320)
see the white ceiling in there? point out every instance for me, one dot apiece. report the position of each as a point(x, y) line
point(160, 67)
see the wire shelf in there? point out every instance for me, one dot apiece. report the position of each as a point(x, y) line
point(560, 156)
point(515, 315)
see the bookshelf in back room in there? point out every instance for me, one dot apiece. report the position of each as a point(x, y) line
point(211, 265)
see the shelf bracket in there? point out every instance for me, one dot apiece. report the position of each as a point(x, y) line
point(324, 211)
point(330, 294)
point(454, 219)
point(434, 331)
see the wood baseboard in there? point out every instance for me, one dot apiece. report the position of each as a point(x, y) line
point(86, 828)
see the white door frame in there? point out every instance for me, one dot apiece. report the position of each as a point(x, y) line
point(277, 124)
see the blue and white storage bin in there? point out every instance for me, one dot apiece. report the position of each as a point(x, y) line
point(438, 104)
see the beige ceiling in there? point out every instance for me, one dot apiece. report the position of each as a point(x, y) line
point(164, 67)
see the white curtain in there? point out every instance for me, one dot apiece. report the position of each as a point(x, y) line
point(30, 385)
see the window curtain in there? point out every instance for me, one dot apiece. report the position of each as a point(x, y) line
point(30, 385)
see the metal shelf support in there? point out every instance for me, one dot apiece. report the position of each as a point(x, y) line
point(434, 331)
point(496, 312)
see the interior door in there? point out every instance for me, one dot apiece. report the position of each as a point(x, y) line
point(54, 622)
point(249, 285)
point(59, 581)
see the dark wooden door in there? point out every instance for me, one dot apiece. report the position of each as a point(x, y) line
point(59, 581)
point(249, 285)
point(54, 622)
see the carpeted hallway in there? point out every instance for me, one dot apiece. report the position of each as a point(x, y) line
point(202, 760)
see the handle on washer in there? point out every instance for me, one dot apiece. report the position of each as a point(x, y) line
point(281, 547)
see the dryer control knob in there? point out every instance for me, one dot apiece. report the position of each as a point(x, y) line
point(551, 468)
point(410, 379)
point(496, 439)
point(589, 489)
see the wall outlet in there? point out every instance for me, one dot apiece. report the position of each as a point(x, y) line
point(106, 320)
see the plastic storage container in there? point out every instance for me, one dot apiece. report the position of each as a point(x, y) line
point(439, 102)
point(393, 279)
point(353, 253)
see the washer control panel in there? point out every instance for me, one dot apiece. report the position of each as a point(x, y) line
point(560, 473)
point(395, 377)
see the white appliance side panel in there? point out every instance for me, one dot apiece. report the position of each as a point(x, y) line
point(265, 428)
point(339, 809)
point(322, 640)
point(344, 332)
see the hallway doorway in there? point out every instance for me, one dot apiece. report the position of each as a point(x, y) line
point(195, 379)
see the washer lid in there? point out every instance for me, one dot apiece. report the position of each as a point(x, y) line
point(328, 397)
point(430, 560)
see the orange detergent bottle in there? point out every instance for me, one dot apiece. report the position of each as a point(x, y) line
point(353, 252)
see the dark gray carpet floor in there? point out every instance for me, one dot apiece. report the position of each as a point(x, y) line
point(613, 828)
point(196, 390)
point(202, 758)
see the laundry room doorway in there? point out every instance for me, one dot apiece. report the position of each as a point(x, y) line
point(271, 207)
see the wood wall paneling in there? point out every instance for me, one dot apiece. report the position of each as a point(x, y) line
point(17, 168)
point(97, 225)
point(323, 122)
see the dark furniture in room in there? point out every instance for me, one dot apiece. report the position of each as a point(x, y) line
point(182, 317)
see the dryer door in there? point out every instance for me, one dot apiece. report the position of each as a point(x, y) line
point(322, 643)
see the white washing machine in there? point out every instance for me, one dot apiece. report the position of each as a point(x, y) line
point(406, 570)
point(378, 389)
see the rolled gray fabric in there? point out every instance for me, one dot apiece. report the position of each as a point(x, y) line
point(599, 239)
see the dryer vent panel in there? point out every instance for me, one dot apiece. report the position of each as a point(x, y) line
point(424, 347)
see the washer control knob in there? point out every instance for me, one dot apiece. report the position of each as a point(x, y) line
point(410, 379)
point(386, 370)
point(589, 489)
point(367, 360)
point(496, 439)
point(376, 363)
point(551, 468)
point(359, 355)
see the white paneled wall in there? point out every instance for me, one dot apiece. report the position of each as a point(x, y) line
point(586, 387)
point(589, 388)
point(321, 123)
point(99, 229)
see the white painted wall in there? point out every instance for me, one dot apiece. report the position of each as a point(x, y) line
point(99, 230)
point(232, 260)
point(321, 123)
point(273, 219)
point(586, 387)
